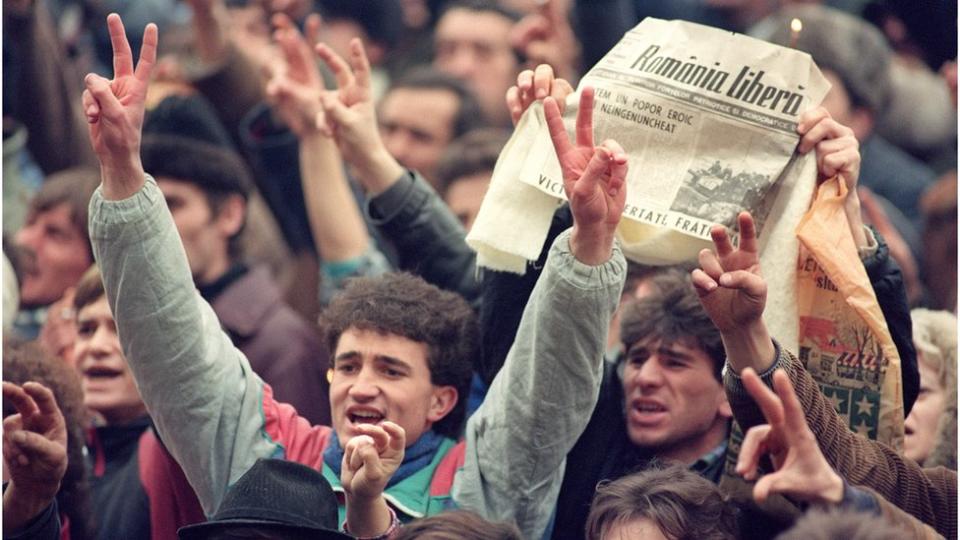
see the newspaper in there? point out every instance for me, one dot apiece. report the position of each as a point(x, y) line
point(708, 120)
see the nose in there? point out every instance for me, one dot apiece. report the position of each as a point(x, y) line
point(460, 64)
point(650, 374)
point(27, 237)
point(364, 387)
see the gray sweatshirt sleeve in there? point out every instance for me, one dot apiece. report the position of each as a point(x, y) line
point(203, 396)
point(541, 400)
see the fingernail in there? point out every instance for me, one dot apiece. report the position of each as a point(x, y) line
point(541, 93)
point(19, 437)
point(725, 279)
point(614, 191)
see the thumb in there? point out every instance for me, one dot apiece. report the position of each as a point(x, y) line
point(335, 109)
point(771, 484)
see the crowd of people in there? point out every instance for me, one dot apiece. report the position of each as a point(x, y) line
point(238, 301)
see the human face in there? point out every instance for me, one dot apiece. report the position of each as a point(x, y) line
point(474, 46)
point(921, 425)
point(416, 125)
point(108, 385)
point(674, 403)
point(634, 528)
point(204, 240)
point(381, 376)
point(60, 255)
point(465, 195)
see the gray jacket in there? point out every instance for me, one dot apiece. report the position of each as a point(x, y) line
point(207, 403)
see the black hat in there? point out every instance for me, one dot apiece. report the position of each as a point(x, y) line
point(275, 495)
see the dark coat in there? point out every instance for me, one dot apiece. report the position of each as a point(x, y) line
point(282, 348)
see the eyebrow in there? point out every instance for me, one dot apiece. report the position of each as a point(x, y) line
point(665, 351)
point(389, 360)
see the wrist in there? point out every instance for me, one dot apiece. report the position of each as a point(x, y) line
point(851, 207)
point(21, 507)
point(377, 171)
point(121, 179)
point(749, 345)
point(591, 247)
point(368, 517)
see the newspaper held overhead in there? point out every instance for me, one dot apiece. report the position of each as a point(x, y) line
point(708, 120)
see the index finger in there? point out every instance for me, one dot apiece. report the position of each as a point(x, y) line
point(748, 233)
point(360, 63)
point(793, 412)
point(336, 64)
point(585, 118)
point(19, 398)
point(769, 403)
point(122, 55)
point(148, 53)
point(398, 437)
point(558, 133)
point(43, 397)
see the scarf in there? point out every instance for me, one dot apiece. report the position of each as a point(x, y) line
point(417, 456)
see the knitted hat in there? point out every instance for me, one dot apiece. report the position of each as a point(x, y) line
point(850, 47)
point(278, 496)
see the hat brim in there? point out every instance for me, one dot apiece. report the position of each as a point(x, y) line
point(199, 531)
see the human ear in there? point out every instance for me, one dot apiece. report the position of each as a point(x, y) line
point(443, 400)
point(231, 215)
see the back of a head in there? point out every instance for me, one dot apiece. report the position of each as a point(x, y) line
point(457, 525)
point(469, 115)
point(681, 503)
point(842, 525)
point(847, 45)
point(407, 306)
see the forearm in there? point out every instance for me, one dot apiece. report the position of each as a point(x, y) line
point(540, 402)
point(200, 391)
point(377, 170)
point(335, 220)
point(860, 461)
point(430, 240)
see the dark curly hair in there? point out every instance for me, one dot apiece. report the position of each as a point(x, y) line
point(683, 505)
point(408, 306)
point(672, 312)
point(25, 361)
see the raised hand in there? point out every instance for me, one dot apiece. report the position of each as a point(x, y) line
point(350, 118)
point(837, 149)
point(802, 471)
point(115, 110)
point(295, 85)
point(729, 283)
point(838, 154)
point(371, 458)
point(533, 85)
point(594, 180)
point(34, 451)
